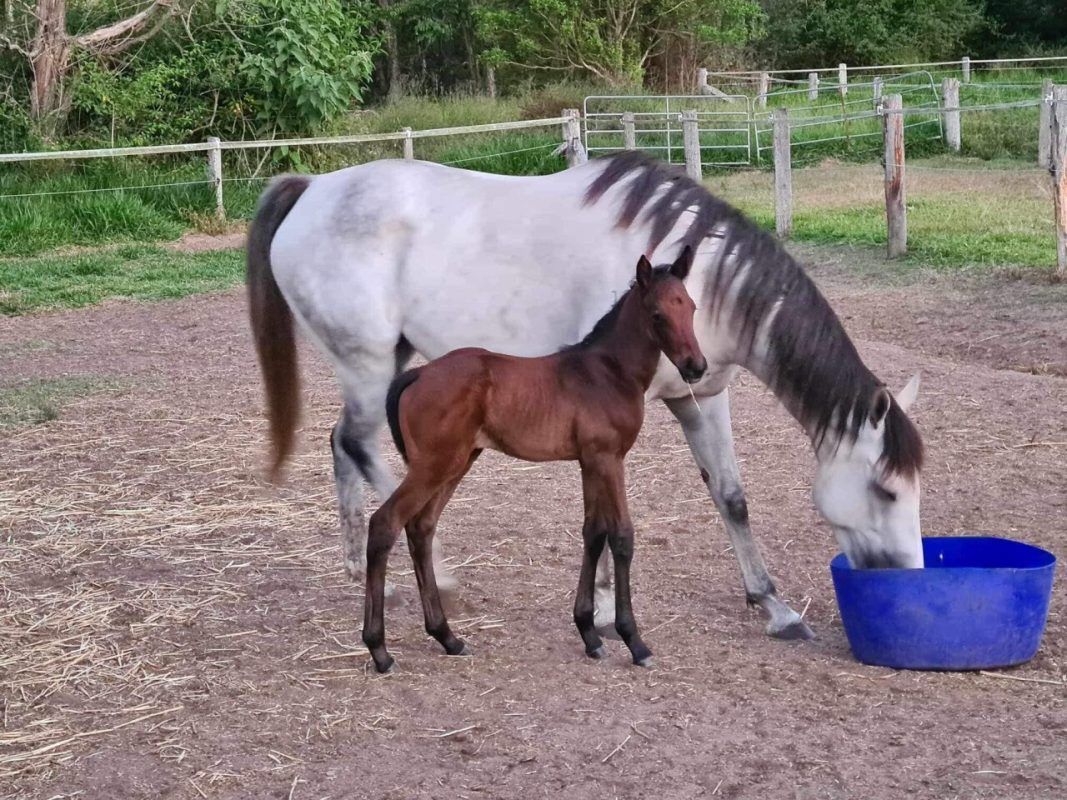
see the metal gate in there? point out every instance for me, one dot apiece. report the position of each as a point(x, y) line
point(726, 126)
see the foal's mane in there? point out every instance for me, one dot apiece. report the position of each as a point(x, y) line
point(606, 323)
point(813, 362)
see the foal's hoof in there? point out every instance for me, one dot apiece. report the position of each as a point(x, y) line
point(464, 649)
point(386, 666)
point(598, 654)
point(796, 630)
point(646, 661)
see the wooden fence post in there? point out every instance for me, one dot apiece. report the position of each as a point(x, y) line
point(895, 209)
point(966, 65)
point(813, 85)
point(214, 174)
point(950, 112)
point(1044, 126)
point(409, 144)
point(842, 79)
point(691, 139)
point(490, 82)
point(629, 131)
point(876, 90)
point(573, 137)
point(1059, 176)
point(764, 87)
point(783, 175)
point(702, 81)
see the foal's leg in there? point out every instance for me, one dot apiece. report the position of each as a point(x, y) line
point(593, 538)
point(604, 488)
point(385, 524)
point(357, 456)
point(709, 435)
point(421, 530)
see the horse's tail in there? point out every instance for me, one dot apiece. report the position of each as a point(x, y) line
point(392, 407)
point(272, 321)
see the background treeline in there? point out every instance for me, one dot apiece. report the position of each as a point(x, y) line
point(147, 71)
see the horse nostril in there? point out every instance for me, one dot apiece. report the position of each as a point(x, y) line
point(693, 370)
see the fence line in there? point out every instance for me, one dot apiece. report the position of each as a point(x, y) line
point(252, 144)
point(214, 147)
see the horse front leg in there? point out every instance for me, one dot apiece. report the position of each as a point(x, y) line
point(593, 538)
point(604, 488)
point(710, 438)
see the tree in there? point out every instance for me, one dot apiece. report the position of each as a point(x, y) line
point(48, 50)
point(810, 33)
point(610, 40)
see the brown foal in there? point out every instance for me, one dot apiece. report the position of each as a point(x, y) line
point(584, 403)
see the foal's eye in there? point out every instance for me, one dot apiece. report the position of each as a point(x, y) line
point(657, 317)
point(883, 493)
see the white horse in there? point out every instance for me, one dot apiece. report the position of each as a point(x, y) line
point(391, 257)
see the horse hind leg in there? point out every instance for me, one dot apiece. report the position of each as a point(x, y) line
point(357, 456)
point(384, 528)
point(421, 532)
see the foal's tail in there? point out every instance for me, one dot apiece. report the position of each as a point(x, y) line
point(392, 407)
point(272, 321)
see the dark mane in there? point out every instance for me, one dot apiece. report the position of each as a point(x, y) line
point(814, 366)
point(605, 324)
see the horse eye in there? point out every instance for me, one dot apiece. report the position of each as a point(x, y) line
point(883, 493)
point(657, 317)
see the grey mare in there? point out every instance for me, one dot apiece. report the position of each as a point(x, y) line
point(376, 262)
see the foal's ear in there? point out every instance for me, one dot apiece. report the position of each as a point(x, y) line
point(644, 273)
point(681, 266)
point(880, 405)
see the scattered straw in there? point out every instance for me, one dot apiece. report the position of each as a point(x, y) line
point(1020, 678)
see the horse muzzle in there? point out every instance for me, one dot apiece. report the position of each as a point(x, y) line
point(693, 370)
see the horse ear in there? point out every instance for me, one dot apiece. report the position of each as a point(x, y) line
point(880, 405)
point(681, 266)
point(906, 396)
point(644, 272)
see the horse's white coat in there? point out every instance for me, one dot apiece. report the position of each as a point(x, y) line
point(448, 258)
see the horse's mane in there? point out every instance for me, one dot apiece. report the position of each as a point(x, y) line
point(812, 360)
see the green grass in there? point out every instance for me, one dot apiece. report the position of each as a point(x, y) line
point(961, 214)
point(36, 401)
point(137, 272)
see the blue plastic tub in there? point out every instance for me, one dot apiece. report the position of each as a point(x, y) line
point(980, 603)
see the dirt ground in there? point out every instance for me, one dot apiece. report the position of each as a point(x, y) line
point(173, 628)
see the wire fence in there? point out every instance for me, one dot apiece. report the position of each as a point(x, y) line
point(150, 193)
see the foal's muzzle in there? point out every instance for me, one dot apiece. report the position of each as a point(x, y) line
point(693, 369)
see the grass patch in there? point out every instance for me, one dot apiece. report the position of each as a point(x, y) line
point(37, 401)
point(137, 272)
point(992, 215)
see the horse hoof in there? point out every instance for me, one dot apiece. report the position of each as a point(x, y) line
point(797, 630)
point(355, 571)
point(608, 632)
point(464, 650)
point(386, 667)
point(644, 662)
point(599, 654)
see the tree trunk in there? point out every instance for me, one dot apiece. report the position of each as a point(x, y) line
point(49, 59)
point(392, 52)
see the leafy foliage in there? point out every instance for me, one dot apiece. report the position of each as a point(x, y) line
point(806, 33)
point(611, 40)
point(307, 62)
